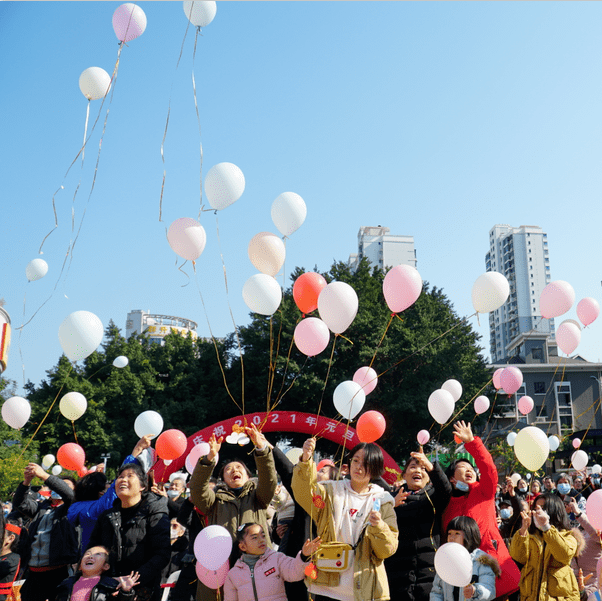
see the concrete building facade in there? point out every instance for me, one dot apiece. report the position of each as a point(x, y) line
point(157, 326)
point(383, 249)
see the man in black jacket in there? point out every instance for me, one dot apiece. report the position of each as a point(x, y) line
point(53, 540)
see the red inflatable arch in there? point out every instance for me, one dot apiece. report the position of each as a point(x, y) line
point(277, 421)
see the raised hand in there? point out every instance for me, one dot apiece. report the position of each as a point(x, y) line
point(142, 444)
point(309, 446)
point(464, 431)
point(526, 523)
point(401, 497)
point(256, 436)
point(510, 486)
point(215, 444)
point(127, 583)
point(541, 519)
point(311, 546)
point(422, 459)
point(159, 489)
point(374, 518)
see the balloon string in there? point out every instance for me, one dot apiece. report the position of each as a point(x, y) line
point(215, 346)
point(334, 342)
point(85, 131)
point(381, 340)
point(74, 434)
point(242, 365)
point(19, 341)
point(489, 417)
point(198, 118)
point(47, 413)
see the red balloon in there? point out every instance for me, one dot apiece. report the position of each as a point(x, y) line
point(370, 426)
point(171, 444)
point(81, 473)
point(71, 456)
point(306, 289)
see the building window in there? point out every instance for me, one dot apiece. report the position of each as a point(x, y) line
point(539, 387)
point(537, 353)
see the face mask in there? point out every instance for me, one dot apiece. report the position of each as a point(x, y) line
point(522, 490)
point(172, 494)
point(596, 481)
point(462, 486)
point(564, 488)
point(55, 496)
point(505, 513)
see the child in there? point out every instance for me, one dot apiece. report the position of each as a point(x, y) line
point(545, 546)
point(260, 572)
point(90, 583)
point(9, 560)
point(465, 531)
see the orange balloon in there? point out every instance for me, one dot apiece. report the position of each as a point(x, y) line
point(458, 440)
point(306, 289)
point(370, 426)
point(71, 456)
point(171, 444)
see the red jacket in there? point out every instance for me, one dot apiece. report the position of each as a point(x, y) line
point(479, 504)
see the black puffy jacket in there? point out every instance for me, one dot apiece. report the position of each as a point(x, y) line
point(141, 544)
point(411, 570)
point(103, 591)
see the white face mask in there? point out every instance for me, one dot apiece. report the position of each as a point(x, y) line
point(172, 494)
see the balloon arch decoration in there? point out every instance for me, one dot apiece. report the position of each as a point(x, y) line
point(278, 421)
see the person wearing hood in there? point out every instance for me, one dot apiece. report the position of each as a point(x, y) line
point(356, 512)
point(238, 499)
point(135, 531)
point(419, 505)
point(475, 497)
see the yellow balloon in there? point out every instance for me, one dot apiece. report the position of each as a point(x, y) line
point(73, 405)
point(532, 448)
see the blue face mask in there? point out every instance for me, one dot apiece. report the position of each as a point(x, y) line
point(55, 495)
point(462, 486)
point(505, 513)
point(564, 488)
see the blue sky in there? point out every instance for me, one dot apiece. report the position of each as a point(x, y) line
point(437, 120)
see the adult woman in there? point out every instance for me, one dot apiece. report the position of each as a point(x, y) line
point(355, 512)
point(475, 497)
point(239, 499)
point(135, 531)
point(545, 546)
point(419, 506)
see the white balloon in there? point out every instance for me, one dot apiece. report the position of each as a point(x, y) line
point(596, 468)
point(48, 460)
point(489, 292)
point(453, 564)
point(120, 361)
point(515, 478)
point(288, 213)
point(16, 412)
point(94, 83)
point(80, 334)
point(262, 294)
point(511, 438)
point(200, 13)
point(454, 388)
point(294, 454)
point(441, 405)
point(187, 238)
point(73, 405)
point(579, 459)
point(148, 422)
point(554, 442)
point(224, 185)
point(36, 270)
point(56, 470)
point(212, 547)
point(349, 398)
point(337, 306)
point(531, 447)
point(267, 253)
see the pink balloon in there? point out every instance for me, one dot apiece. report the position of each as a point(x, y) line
point(481, 404)
point(423, 437)
point(129, 22)
point(496, 378)
point(576, 443)
point(311, 336)
point(593, 509)
point(367, 378)
point(588, 310)
point(402, 287)
point(187, 238)
point(212, 547)
point(568, 337)
point(212, 578)
point(556, 299)
point(525, 405)
point(511, 379)
point(195, 454)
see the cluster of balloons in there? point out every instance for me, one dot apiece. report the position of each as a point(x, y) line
point(442, 401)
point(349, 398)
point(508, 379)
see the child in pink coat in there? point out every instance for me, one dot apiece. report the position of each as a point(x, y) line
point(261, 572)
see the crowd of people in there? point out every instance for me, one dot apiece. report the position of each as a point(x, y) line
point(318, 531)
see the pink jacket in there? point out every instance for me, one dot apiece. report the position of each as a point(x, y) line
point(271, 571)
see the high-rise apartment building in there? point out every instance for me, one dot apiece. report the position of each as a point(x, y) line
point(521, 254)
point(383, 249)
